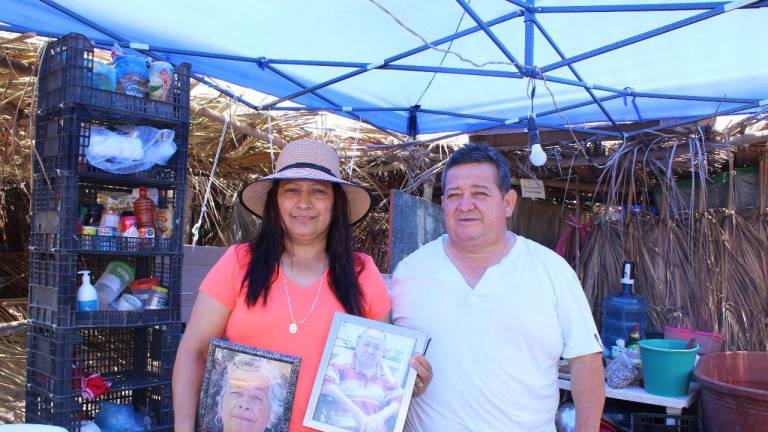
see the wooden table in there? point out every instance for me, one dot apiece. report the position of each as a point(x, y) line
point(634, 393)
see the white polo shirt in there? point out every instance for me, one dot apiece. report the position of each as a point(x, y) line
point(494, 348)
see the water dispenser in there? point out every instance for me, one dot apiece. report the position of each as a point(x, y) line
point(621, 312)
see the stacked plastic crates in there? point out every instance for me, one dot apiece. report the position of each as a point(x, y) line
point(133, 350)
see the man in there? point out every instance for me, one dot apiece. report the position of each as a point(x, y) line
point(501, 311)
point(249, 399)
point(362, 387)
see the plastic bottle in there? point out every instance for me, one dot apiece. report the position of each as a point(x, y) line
point(87, 298)
point(634, 338)
point(144, 209)
point(621, 312)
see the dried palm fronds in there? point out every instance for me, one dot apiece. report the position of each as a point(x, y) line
point(644, 247)
point(744, 281)
point(13, 361)
point(744, 286)
point(703, 301)
point(601, 265)
point(13, 365)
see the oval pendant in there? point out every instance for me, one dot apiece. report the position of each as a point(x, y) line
point(293, 328)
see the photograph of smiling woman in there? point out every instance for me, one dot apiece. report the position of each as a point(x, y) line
point(246, 389)
point(251, 397)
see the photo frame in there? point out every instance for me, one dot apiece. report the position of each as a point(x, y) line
point(364, 376)
point(246, 388)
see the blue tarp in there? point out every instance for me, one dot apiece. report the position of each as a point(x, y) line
point(270, 46)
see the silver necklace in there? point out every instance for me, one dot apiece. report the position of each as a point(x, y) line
point(294, 327)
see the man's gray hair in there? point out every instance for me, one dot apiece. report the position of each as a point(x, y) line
point(482, 153)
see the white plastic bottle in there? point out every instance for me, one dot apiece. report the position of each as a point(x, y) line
point(87, 298)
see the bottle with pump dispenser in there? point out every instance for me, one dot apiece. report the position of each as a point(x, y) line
point(623, 311)
point(87, 298)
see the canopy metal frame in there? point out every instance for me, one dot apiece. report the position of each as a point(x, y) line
point(526, 70)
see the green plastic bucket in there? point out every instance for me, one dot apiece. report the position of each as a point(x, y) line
point(667, 366)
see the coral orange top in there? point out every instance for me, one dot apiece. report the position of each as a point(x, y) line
point(266, 326)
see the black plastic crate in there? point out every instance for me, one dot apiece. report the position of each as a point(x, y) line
point(642, 422)
point(68, 411)
point(55, 203)
point(66, 79)
point(62, 138)
point(129, 358)
point(54, 282)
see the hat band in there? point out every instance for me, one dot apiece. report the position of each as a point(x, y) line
point(315, 167)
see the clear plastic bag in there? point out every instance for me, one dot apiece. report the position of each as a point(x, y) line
point(621, 372)
point(128, 149)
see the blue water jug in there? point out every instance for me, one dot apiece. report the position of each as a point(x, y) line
point(621, 312)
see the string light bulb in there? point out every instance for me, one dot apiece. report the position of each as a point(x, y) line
point(537, 156)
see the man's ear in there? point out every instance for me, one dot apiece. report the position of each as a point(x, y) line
point(510, 200)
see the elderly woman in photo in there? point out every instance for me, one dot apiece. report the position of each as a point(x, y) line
point(280, 291)
point(251, 397)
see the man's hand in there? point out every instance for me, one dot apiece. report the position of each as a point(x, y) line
point(423, 373)
point(588, 390)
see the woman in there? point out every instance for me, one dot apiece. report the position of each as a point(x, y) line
point(280, 291)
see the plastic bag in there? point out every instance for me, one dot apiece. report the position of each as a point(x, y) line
point(126, 149)
point(132, 72)
point(114, 417)
point(104, 76)
point(621, 372)
point(160, 80)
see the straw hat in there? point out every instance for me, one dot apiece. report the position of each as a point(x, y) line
point(306, 160)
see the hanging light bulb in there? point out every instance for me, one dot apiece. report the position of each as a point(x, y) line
point(537, 156)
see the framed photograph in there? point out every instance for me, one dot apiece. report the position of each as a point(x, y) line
point(364, 381)
point(246, 389)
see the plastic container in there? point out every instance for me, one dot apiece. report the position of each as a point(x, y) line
point(69, 76)
point(709, 342)
point(113, 281)
point(53, 284)
point(63, 138)
point(127, 357)
point(87, 299)
point(667, 366)
point(55, 212)
point(159, 298)
point(621, 312)
point(142, 289)
point(68, 412)
point(734, 391)
point(643, 422)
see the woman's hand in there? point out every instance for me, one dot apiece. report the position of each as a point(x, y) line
point(423, 373)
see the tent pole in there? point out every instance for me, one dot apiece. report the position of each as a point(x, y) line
point(358, 116)
point(529, 18)
point(575, 73)
point(727, 7)
point(640, 7)
point(693, 119)
point(397, 57)
point(491, 35)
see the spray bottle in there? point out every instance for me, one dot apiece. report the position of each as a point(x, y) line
point(87, 299)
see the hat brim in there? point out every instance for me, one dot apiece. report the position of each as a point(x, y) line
point(254, 195)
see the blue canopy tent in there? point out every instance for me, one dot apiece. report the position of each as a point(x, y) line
point(450, 67)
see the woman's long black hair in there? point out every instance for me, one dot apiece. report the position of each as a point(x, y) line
point(344, 266)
